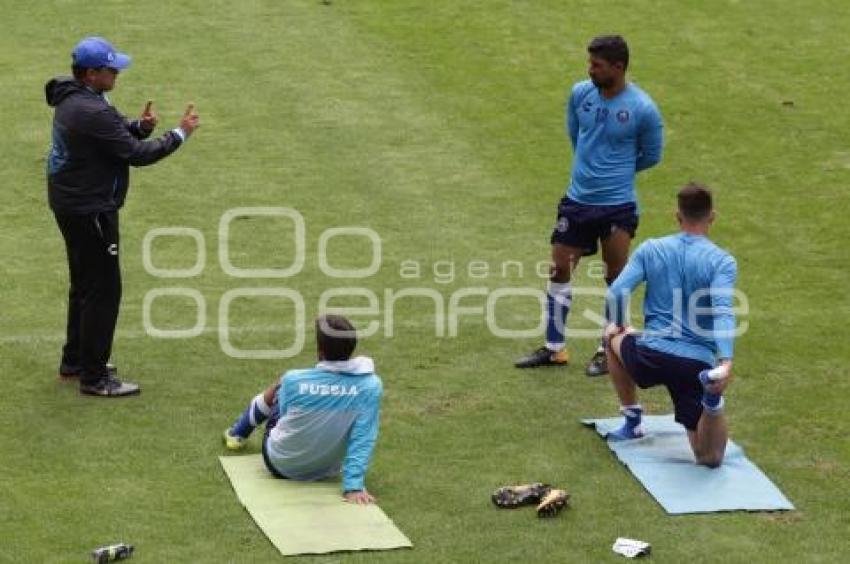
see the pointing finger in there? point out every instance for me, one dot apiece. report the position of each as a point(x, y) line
point(189, 109)
point(148, 107)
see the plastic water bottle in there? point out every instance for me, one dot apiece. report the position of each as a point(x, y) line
point(112, 553)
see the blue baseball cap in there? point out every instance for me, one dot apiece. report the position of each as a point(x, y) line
point(96, 52)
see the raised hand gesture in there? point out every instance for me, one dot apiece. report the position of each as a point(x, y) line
point(190, 120)
point(148, 119)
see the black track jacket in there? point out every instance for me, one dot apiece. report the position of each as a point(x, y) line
point(88, 168)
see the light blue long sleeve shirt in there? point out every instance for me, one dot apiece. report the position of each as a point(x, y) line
point(688, 305)
point(329, 419)
point(612, 140)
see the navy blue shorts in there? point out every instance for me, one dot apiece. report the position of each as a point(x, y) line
point(582, 226)
point(271, 422)
point(680, 375)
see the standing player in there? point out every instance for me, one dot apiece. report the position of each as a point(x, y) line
point(689, 327)
point(616, 131)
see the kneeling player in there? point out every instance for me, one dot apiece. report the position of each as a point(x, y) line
point(320, 419)
point(689, 327)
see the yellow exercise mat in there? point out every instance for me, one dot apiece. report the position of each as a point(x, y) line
point(308, 517)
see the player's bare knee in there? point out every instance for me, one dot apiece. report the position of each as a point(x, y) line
point(712, 462)
point(613, 348)
point(711, 459)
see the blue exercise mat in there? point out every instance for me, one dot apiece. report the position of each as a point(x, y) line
point(663, 462)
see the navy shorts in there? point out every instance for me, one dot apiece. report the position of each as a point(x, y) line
point(271, 422)
point(582, 226)
point(680, 375)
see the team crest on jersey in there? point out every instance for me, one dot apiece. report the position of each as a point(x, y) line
point(623, 116)
point(563, 225)
point(587, 105)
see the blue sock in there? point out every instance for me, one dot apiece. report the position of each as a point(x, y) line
point(558, 301)
point(251, 418)
point(633, 414)
point(631, 429)
point(712, 402)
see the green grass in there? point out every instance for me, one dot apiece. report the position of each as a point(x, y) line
point(439, 125)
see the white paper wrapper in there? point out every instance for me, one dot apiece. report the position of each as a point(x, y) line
point(631, 548)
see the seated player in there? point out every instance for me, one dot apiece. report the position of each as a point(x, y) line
point(320, 419)
point(689, 330)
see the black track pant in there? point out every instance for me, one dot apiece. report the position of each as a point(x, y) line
point(94, 297)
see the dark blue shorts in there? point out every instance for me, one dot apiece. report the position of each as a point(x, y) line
point(583, 226)
point(678, 374)
point(271, 422)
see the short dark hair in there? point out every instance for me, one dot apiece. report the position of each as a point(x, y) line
point(611, 48)
point(695, 202)
point(79, 72)
point(335, 337)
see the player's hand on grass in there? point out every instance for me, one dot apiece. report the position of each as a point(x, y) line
point(148, 120)
point(360, 497)
point(190, 120)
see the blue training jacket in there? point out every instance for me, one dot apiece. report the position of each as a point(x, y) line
point(328, 420)
point(688, 306)
point(612, 138)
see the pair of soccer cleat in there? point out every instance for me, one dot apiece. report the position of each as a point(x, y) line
point(598, 365)
point(550, 501)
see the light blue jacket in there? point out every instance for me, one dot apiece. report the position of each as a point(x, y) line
point(612, 138)
point(328, 421)
point(688, 306)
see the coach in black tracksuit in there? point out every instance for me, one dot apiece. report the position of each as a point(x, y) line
point(87, 179)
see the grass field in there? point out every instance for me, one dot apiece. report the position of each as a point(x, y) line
point(439, 125)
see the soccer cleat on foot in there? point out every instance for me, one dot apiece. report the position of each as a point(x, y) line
point(543, 357)
point(109, 387)
point(233, 442)
point(626, 433)
point(598, 365)
point(552, 503)
point(511, 497)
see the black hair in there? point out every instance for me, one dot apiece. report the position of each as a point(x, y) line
point(611, 48)
point(695, 201)
point(335, 337)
